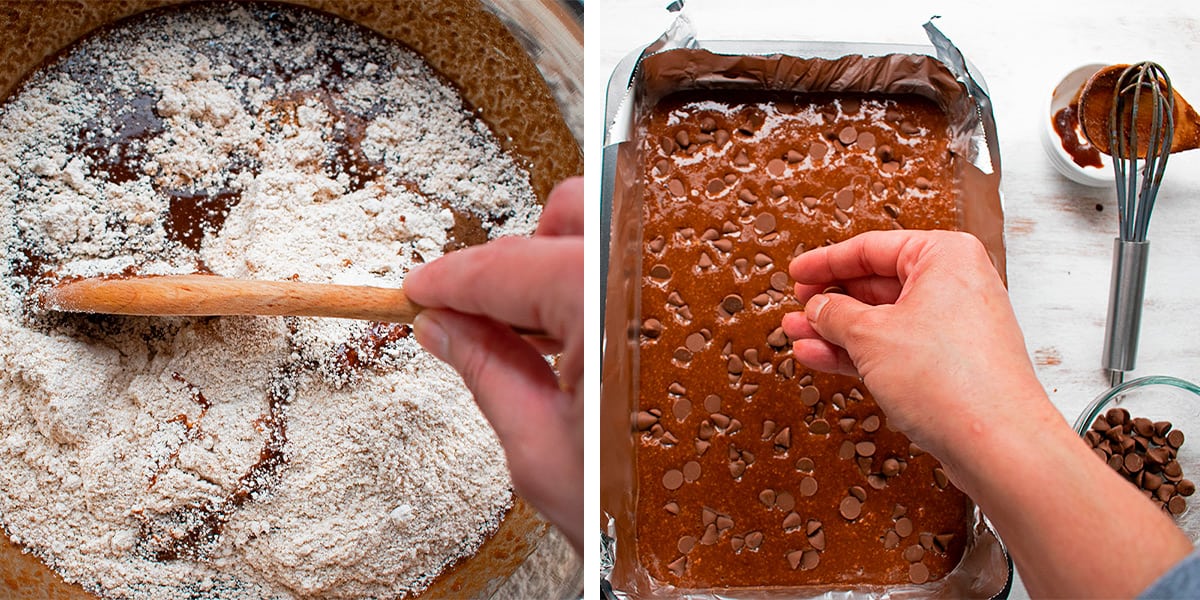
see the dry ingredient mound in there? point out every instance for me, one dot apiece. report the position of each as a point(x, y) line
point(242, 457)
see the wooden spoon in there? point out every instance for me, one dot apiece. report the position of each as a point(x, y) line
point(207, 295)
point(1096, 102)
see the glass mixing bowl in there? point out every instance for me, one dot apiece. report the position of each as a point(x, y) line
point(1160, 398)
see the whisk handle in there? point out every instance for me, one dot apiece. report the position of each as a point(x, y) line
point(1125, 296)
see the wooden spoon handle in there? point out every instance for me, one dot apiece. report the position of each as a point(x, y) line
point(206, 295)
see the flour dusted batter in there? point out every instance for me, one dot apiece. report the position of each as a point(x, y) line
point(248, 457)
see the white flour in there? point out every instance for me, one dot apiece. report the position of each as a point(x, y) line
point(241, 457)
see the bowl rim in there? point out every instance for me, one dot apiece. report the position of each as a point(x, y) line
point(1101, 402)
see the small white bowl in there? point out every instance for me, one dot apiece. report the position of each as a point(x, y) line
point(1062, 95)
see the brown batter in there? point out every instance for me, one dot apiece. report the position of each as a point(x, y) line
point(753, 471)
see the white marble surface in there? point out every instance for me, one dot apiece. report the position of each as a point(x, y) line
point(1059, 243)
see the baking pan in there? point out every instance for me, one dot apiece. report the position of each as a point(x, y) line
point(678, 61)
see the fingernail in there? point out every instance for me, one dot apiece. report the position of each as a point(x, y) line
point(431, 336)
point(813, 307)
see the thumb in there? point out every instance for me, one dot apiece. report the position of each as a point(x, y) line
point(837, 318)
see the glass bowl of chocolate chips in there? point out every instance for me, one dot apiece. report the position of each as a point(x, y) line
point(1139, 429)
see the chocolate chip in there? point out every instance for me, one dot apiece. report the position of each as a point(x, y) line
point(776, 167)
point(846, 424)
point(844, 198)
point(859, 493)
point(795, 557)
point(850, 508)
point(923, 183)
point(676, 388)
point(721, 420)
point(724, 244)
point(891, 540)
point(794, 157)
point(786, 501)
point(683, 355)
point(918, 573)
point(817, 150)
point(787, 368)
point(678, 566)
point(672, 507)
point(926, 539)
point(1177, 505)
point(819, 427)
point(1185, 487)
point(767, 497)
point(780, 281)
point(847, 135)
point(810, 560)
point(724, 522)
point(747, 196)
point(720, 137)
point(808, 486)
point(899, 511)
point(846, 451)
point(810, 202)
point(676, 188)
point(866, 140)
point(732, 303)
point(865, 448)
point(914, 553)
point(891, 467)
point(652, 328)
point(805, 465)
point(904, 527)
point(1175, 439)
point(777, 338)
point(682, 138)
point(783, 440)
point(660, 272)
point(877, 481)
point(914, 450)
point(1133, 463)
point(737, 468)
point(890, 167)
point(754, 539)
point(810, 395)
point(792, 521)
point(735, 365)
point(942, 541)
point(764, 223)
point(645, 420)
point(681, 409)
point(871, 424)
point(908, 128)
point(892, 210)
point(841, 217)
point(817, 540)
point(777, 191)
point(672, 479)
point(710, 535)
point(939, 477)
point(742, 159)
point(716, 186)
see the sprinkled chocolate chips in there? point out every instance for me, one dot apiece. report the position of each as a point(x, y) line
point(1144, 453)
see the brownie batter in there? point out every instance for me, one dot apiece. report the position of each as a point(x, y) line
point(752, 470)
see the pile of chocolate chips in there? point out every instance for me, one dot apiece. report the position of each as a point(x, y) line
point(1144, 452)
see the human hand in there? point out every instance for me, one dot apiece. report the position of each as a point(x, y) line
point(473, 299)
point(927, 324)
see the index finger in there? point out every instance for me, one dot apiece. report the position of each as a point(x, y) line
point(873, 253)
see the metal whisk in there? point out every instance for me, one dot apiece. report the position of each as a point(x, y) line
point(1140, 88)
